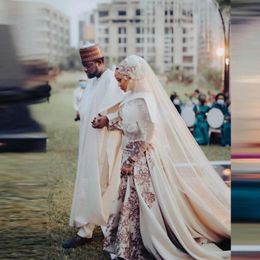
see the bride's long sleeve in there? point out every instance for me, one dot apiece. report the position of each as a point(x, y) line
point(137, 128)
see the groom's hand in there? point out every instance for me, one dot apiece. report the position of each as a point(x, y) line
point(99, 121)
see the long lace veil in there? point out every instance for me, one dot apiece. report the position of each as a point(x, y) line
point(183, 162)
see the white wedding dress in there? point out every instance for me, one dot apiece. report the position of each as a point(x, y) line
point(165, 209)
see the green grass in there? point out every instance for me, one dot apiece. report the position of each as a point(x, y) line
point(39, 186)
point(58, 118)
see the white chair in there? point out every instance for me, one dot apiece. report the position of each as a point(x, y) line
point(215, 119)
point(188, 115)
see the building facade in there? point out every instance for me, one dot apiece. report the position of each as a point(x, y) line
point(43, 32)
point(211, 34)
point(86, 28)
point(165, 32)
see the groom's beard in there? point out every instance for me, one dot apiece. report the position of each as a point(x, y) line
point(91, 75)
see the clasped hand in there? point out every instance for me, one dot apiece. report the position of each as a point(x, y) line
point(99, 121)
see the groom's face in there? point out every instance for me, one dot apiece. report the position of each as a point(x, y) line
point(90, 68)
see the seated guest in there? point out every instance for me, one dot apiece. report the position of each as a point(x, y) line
point(226, 127)
point(201, 127)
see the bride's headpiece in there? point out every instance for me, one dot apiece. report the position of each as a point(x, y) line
point(133, 67)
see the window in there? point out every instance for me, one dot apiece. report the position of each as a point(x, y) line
point(106, 40)
point(166, 30)
point(139, 40)
point(166, 12)
point(121, 30)
point(121, 40)
point(184, 49)
point(184, 40)
point(138, 30)
point(119, 21)
point(103, 13)
point(139, 50)
point(184, 30)
point(171, 12)
point(106, 31)
point(187, 59)
point(137, 12)
point(122, 13)
point(153, 30)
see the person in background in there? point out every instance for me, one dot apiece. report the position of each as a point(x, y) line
point(193, 97)
point(211, 98)
point(77, 96)
point(226, 127)
point(176, 101)
point(201, 127)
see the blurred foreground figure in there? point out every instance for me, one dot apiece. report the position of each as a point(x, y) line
point(21, 84)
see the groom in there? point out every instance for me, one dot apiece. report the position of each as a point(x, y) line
point(99, 149)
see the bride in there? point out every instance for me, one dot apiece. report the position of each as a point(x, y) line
point(171, 203)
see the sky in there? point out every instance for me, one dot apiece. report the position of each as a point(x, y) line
point(73, 8)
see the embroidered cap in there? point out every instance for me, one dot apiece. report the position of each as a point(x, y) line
point(90, 52)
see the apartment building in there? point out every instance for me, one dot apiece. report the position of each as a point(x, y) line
point(167, 33)
point(211, 34)
point(43, 32)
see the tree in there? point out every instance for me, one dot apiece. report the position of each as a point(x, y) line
point(212, 76)
point(73, 60)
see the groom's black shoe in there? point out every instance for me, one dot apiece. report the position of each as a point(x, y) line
point(75, 242)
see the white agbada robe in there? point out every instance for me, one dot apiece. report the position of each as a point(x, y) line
point(98, 172)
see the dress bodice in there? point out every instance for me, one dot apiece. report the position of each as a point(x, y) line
point(135, 121)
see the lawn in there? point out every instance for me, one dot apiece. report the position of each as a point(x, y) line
point(39, 186)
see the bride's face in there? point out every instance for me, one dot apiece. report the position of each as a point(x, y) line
point(123, 81)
